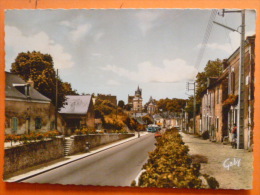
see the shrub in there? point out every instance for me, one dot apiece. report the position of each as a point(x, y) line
point(170, 165)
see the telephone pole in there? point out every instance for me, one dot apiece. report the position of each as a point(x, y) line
point(194, 102)
point(241, 88)
point(56, 101)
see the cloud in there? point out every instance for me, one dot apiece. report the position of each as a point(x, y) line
point(65, 23)
point(171, 71)
point(113, 83)
point(79, 32)
point(230, 47)
point(98, 36)
point(146, 20)
point(16, 42)
point(96, 54)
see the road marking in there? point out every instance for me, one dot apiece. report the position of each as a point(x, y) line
point(137, 177)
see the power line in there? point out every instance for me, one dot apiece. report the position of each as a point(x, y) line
point(227, 35)
point(205, 38)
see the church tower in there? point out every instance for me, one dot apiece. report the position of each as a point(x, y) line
point(138, 101)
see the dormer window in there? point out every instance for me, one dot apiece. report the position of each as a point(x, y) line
point(23, 88)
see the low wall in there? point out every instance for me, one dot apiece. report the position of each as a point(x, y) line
point(79, 143)
point(20, 157)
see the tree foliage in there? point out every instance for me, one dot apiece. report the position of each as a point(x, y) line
point(172, 105)
point(121, 103)
point(212, 69)
point(40, 68)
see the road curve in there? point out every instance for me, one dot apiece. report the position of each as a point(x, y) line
point(116, 166)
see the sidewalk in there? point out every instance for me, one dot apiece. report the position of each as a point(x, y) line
point(69, 159)
point(233, 168)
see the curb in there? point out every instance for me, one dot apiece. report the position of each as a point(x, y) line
point(65, 163)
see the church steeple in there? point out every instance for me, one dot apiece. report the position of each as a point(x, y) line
point(138, 92)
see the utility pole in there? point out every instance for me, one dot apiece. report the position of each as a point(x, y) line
point(240, 133)
point(241, 88)
point(56, 101)
point(194, 103)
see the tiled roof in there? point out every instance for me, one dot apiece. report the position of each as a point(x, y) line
point(76, 104)
point(12, 92)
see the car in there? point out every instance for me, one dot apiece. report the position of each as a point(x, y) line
point(100, 131)
point(151, 129)
point(157, 134)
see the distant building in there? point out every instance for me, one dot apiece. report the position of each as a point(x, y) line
point(152, 107)
point(138, 101)
point(109, 97)
point(78, 112)
point(26, 109)
point(130, 99)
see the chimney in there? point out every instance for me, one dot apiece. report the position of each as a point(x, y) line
point(30, 82)
point(225, 64)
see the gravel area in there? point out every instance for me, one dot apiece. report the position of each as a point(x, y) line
point(233, 168)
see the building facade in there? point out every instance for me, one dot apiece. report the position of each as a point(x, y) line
point(220, 106)
point(109, 97)
point(152, 107)
point(27, 110)
point(78, 112)
point(138, 101)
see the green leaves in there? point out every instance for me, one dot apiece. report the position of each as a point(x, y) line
point(40, 68)
point(170, 166)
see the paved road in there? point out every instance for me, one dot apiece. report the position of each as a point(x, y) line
point(116, 166)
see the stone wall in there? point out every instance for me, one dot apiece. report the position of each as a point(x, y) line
point(20, 157)
point(79, 143)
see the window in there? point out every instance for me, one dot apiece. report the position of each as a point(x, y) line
point(53, 125)
point(38, 123)
point(233, 81)
point(14, 124)
point(217, 124)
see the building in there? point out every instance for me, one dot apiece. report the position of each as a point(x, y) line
point(78, 112)
point(130, 99)
point(109, 97)
point(220, 100)
point(232, 63)
point(213, 115)
point(26, 109)
point(138, 101)
point(152, 107)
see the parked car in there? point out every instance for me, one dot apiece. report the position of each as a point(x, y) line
point(153, 128)
point(157, 134)
point(100, 131)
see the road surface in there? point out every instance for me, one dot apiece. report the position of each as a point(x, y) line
point(117, 166)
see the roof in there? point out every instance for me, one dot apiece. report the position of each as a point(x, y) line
point(140, 121)
point(12, 80)
point(139, 114)
point(157, 116)
point(76, 104)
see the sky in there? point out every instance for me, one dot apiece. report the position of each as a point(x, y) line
point(112, 51)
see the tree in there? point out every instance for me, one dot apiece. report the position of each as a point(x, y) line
point(171, 105)
point(39, 67)
point(212, 69)
point(121, 103)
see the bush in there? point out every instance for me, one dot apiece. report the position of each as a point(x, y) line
point(170, 166)
point(25, 138)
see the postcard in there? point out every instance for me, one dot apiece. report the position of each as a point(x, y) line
point(130, 97)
